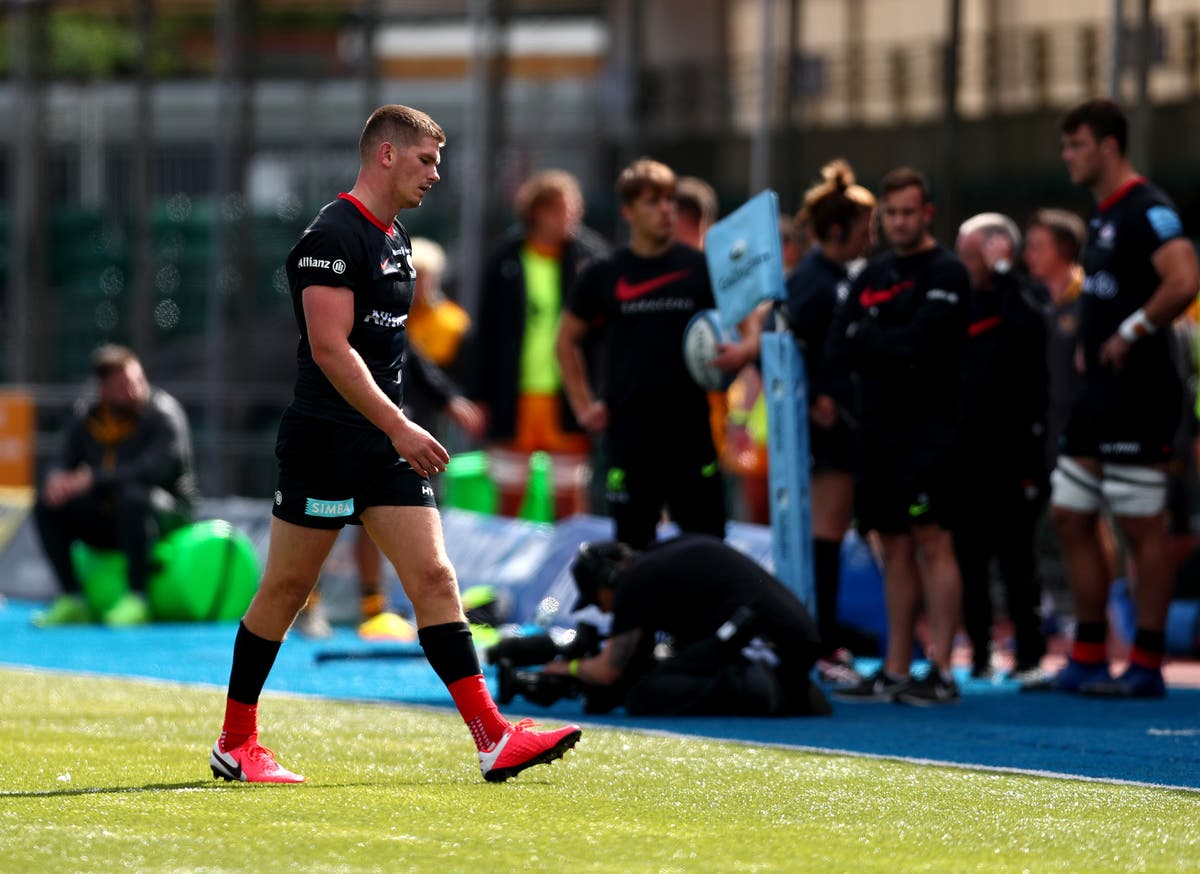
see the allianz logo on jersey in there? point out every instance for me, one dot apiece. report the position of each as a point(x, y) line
point(385, 319)
point(328, 509)
point(338, 266)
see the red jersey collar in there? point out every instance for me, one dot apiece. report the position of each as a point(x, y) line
point(1112, 200)
point(387, 229)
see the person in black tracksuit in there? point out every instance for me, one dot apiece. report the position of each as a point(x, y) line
point(654, 416)
point(1004, 481)
point(900, 333)
point(838, 213)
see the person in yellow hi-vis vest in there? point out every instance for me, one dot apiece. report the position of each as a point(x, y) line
point(512, 371)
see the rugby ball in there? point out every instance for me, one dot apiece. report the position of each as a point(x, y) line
point(700, 339)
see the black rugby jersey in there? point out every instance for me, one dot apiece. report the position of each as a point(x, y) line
point(347, 247)
point(645, 305)
point(901, 331)
point(1124, 232)
point(812, 295)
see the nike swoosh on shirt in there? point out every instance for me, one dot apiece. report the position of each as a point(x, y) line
point(629, 290)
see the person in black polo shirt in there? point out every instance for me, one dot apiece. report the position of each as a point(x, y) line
point(348, 454)
point(900, 332)
point(654, 416)
point(1141, 273)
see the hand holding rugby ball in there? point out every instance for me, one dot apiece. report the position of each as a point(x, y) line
point(703, 334)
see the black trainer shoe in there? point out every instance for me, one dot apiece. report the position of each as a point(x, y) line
point(877, 687)
point(928, 691)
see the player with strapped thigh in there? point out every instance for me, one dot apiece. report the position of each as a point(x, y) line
point(654, 416)
point(1141, 273)
point(347, 453)
point(901, 332)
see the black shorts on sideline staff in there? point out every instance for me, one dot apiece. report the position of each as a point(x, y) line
point(905, 485)
point(329, 473)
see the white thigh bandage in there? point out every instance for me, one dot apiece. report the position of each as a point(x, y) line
point(1134, 491)
point(1073, 487)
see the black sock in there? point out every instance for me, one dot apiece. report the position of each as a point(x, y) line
point(450, 650)
point(253, 658)
point(1154, 642)
point(827, 569)
point(1091, 632)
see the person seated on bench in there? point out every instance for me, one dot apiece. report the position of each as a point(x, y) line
point(125, 478)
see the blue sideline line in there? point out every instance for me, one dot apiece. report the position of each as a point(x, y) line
point(994, 726)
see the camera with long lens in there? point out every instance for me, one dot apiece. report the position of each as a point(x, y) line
point(514, 653)
point(536, 687)
point(537, 649)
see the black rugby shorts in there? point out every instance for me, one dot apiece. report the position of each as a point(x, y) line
point(905, 485)
point(1124, 421)
point(330, 473)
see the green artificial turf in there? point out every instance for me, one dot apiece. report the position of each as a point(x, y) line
point(99, 774)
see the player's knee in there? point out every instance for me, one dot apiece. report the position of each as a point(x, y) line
point(289, 590)
point(1071, 525)
point(433, 582)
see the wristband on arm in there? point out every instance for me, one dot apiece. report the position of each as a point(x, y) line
point(1136, 326)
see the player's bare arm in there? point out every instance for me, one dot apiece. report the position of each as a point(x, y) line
point(605, 668)
point(591, 413)
point(1175, 262)
point(329, 315)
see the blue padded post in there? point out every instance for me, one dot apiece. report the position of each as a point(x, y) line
point(785, 386)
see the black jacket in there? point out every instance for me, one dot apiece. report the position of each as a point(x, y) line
point(1005, 383)
point(154, 449)
point(494, 353)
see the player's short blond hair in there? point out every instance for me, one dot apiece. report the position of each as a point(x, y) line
point(542, 188)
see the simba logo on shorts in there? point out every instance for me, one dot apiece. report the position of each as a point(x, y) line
point(328, 509)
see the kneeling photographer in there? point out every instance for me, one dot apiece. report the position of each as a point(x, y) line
point(697, 628)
